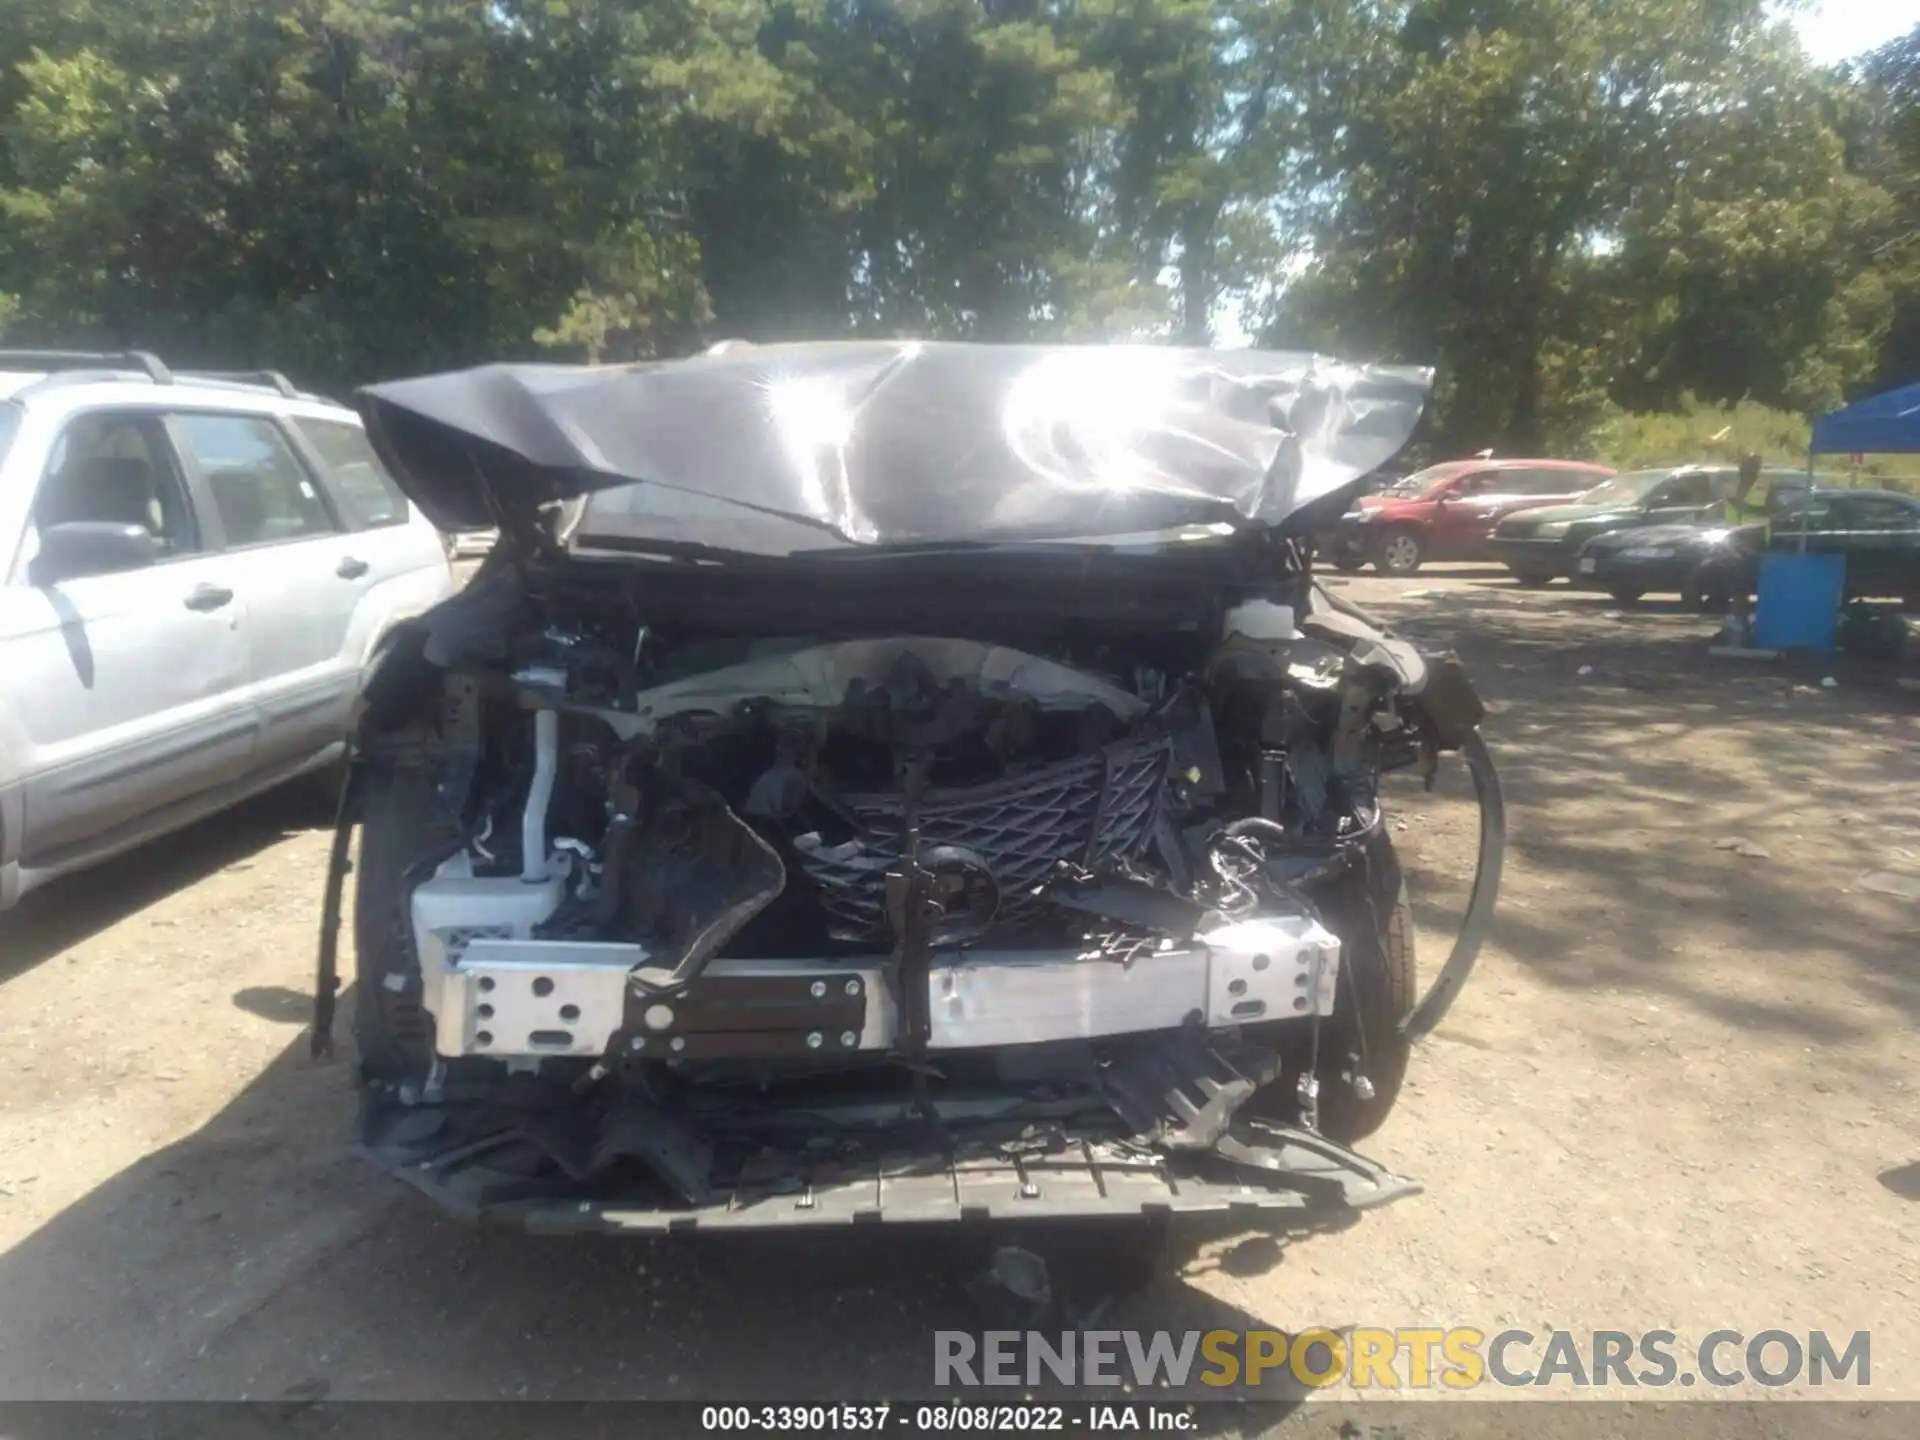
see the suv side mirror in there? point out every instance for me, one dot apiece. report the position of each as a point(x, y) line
point(90, 547)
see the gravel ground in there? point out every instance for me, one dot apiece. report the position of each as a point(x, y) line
point(1680, 1092)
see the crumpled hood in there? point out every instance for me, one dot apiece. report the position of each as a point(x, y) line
point(899, 443)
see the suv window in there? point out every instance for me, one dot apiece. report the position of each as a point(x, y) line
point(1816, 513)
point(1564, 482)
point(1784, 497)
point(1697, 487)
point(368, 491)
point(1877, 512)
point(114, 467)
point(259, 488)
point(1531, 481)
point(1421, 481)
point(9, 424)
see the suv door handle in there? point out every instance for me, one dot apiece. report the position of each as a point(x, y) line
point(351, 568)
point(208, 597)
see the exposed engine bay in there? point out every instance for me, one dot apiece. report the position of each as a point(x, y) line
point(679, 923)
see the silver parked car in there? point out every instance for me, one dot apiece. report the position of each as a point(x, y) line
point(194, 571)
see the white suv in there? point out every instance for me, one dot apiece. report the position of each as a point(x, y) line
point(194, 571)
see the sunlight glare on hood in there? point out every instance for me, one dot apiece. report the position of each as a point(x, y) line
point(1098, 420)
point(816, 425)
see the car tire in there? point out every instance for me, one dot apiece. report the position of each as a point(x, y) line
point(1378, 988)
point(1348, 564)
point(1531, 578)
point(1380, 984)
point(1626, 594)
point(1400, 551)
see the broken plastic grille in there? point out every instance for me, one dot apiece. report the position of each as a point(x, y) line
point(1021, 827)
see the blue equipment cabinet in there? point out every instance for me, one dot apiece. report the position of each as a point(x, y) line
point(1799, 606)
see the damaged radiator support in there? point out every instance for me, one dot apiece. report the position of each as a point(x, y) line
point(1173, 1077)
point(660, 1120)
point(506, 996)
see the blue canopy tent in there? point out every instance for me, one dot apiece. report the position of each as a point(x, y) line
point(1801, 594)
point(1886, 424)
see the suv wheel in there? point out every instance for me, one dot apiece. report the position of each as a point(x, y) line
point(1384, 987)
point(1400, 551)
point(391, 1029)
point(1533, 579)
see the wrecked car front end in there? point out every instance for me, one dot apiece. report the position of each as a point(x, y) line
point(914, 784)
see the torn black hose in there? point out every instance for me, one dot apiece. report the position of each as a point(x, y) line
point(1440, 996)
point(326, 983)
point(1258, 825)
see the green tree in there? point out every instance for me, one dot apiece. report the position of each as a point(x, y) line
point(339, 187)
point(1563, 204)
point(1887, 143)
point(988, 124)
point(1559, 200)
point(1751, 253)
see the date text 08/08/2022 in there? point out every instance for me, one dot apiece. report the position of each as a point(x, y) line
point(944, 1418)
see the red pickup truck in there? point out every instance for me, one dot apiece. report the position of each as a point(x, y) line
point(1446, 512)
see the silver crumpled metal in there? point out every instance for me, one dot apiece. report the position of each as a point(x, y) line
point(785, 448)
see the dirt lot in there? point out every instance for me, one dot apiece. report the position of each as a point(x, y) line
point(1680, 1092)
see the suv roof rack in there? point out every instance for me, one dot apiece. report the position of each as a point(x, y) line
point(75, 365)
point(85, 359)
point(271, 378)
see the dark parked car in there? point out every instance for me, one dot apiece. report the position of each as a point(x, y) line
point(1540, 544)
point(1446, 512)
point(1877, 530)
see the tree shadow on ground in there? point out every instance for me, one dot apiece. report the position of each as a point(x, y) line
point(1630, 762)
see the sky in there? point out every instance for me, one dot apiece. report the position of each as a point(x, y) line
point(1833, 30)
